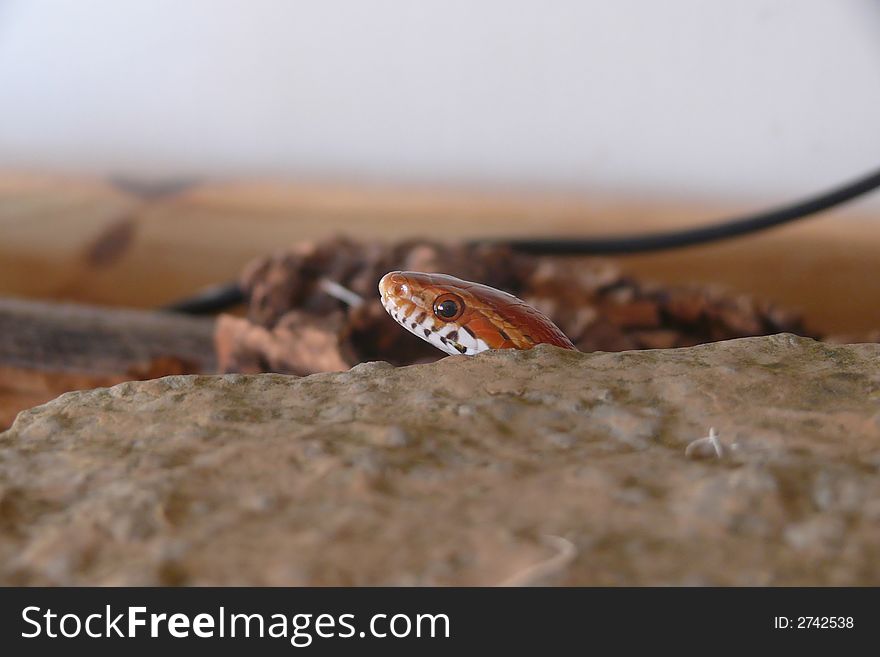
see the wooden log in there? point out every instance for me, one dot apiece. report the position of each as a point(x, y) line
point(85, 339)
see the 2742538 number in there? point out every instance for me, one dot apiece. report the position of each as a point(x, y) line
point(825, 622)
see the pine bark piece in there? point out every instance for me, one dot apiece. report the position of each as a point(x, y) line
point(590, 299)
point(298, 344)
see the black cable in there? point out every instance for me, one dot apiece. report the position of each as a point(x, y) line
point(223, 296)
point(701, 234)
point(211, 300)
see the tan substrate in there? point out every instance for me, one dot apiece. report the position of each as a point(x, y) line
point(538, 467)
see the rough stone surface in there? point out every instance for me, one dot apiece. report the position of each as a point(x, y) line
point(548, 467)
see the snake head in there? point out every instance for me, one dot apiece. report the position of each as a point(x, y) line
point(460, 317)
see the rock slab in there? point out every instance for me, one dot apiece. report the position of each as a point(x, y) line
point(538, 467)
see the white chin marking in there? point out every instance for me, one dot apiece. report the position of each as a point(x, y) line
point(448, 338)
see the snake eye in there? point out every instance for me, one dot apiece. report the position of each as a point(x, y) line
point(448, 307)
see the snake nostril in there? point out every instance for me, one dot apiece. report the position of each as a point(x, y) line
point(394, 284)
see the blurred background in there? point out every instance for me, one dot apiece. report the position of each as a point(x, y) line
point(151, 148)
point(754, 99)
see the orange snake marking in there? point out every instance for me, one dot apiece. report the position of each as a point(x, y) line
point(460, 317)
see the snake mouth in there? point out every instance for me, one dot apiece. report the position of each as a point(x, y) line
point(397, 297)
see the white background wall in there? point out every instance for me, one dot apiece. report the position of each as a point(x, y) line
point(752, 98)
